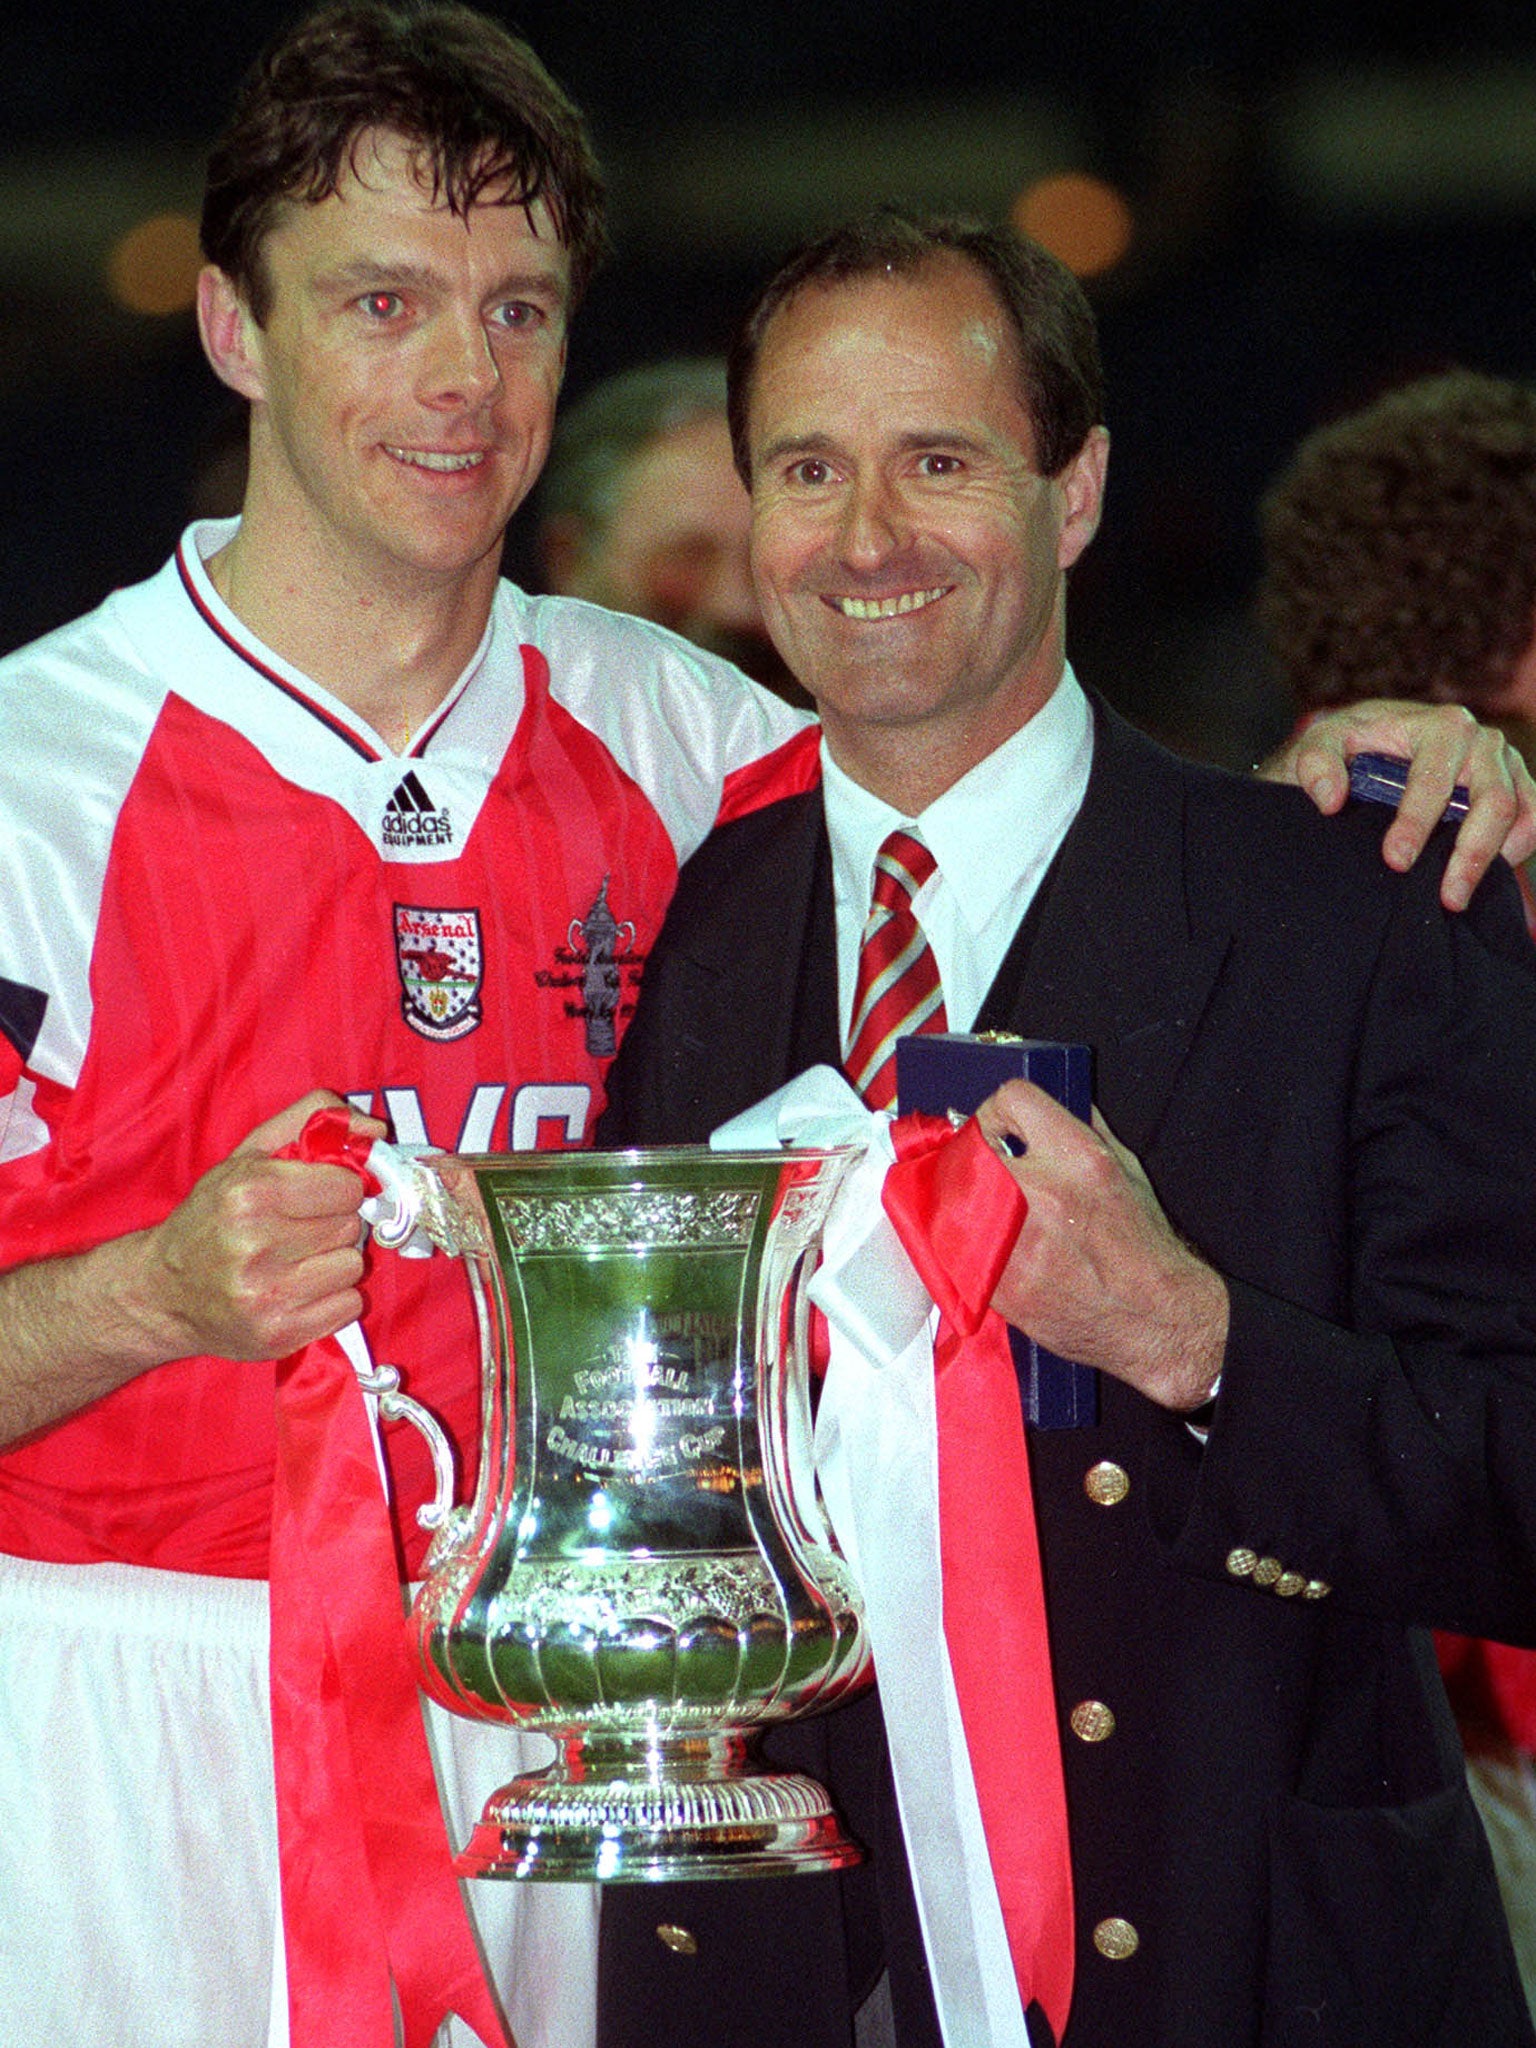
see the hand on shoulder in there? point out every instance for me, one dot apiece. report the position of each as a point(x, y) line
point(1444, 745)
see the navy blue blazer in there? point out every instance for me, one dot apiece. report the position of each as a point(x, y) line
point(1332, 1087)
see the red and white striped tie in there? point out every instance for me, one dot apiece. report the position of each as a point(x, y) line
point(898, 983)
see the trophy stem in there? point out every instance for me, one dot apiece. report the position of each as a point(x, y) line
point(620, 1809)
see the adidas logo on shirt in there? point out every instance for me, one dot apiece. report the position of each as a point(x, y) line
point(412, 819)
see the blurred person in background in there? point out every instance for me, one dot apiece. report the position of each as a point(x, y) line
point(641, 509)
point(1400, 557)
point(1400, 560)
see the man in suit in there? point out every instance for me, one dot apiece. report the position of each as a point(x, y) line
point(1290, 1246)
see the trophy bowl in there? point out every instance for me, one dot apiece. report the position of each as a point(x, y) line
point(645, 1573)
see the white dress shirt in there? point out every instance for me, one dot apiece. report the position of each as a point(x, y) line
point(993, 834)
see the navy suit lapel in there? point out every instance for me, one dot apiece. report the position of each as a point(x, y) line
point(816, 1034)
point(766, 985)
point(1108, 957)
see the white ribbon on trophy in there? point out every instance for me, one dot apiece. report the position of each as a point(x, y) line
point(876, 1456)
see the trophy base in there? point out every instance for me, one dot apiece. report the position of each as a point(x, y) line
point(615, 1810)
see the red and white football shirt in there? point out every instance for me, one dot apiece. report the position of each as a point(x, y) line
point(222, 892)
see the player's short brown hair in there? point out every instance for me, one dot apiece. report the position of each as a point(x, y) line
point(475, 102)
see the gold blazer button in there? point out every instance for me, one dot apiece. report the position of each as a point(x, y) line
point(1092, 1721)
point(1106, 1484)
point(1116, 1939)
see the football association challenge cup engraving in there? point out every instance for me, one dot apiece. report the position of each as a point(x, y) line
point(645, 1572)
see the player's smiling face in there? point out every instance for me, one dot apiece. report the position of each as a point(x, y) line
point(908, 554)
point(406, 375)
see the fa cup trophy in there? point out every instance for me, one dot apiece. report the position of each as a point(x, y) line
point(644, 1573)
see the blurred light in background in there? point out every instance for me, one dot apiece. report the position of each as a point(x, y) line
point(153, 267)
point(1079, 218)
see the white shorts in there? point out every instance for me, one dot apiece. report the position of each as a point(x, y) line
point(138, 1830)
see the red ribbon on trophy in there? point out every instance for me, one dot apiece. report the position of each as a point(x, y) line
point(924, 1472)
point(957, 1211)
point(370, 1899)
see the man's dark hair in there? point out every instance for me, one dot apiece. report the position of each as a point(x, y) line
point(1053, 325)
point(475, 102)
point(1400, 547)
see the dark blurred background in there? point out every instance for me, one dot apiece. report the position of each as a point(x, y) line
point(1278, 210)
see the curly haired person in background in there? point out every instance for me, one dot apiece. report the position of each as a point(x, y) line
point(1400, 556)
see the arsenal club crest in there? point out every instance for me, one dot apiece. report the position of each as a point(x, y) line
point(439, 959)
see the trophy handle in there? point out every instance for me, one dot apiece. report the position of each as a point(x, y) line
point(394, 1214)
point(384, 1382)
point(414, 1214)
point(416, 1211)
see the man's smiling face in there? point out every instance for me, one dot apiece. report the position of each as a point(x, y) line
point(909, 556)
point(406, 374)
